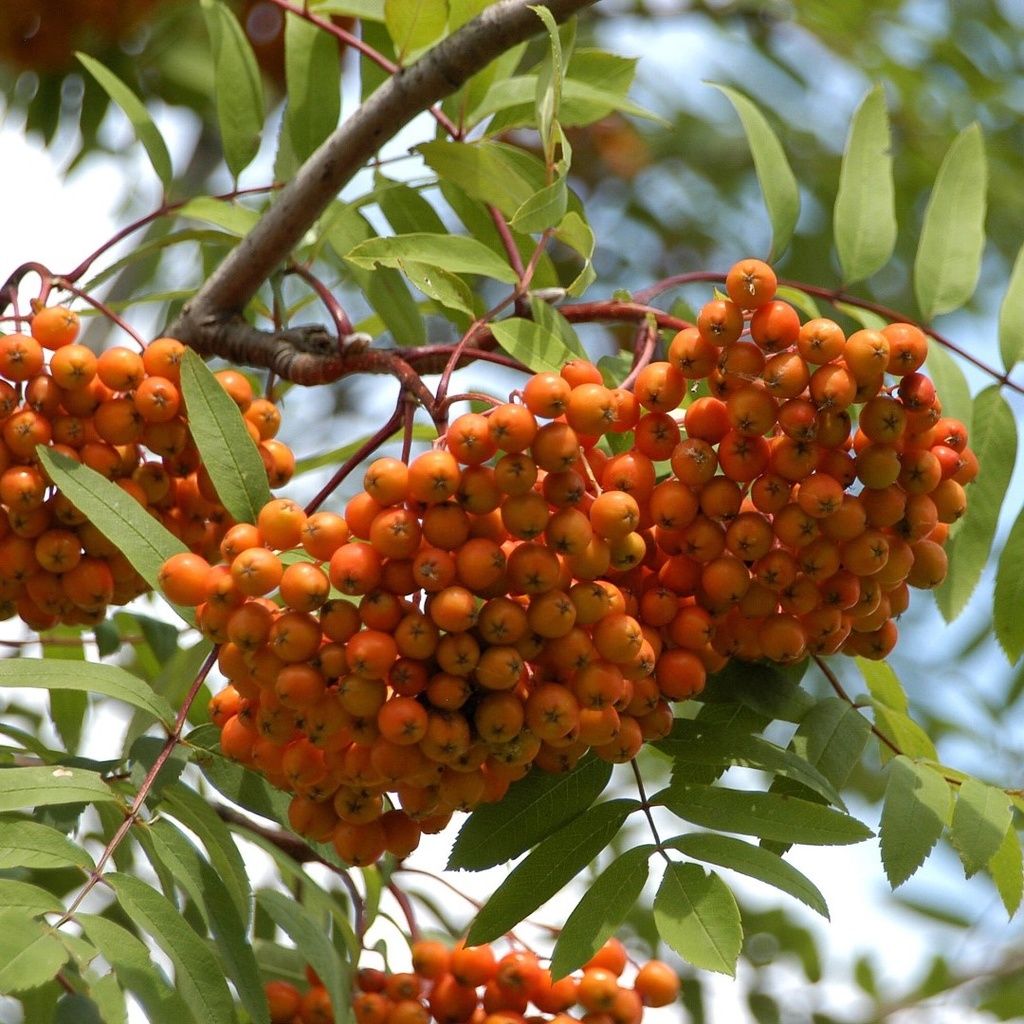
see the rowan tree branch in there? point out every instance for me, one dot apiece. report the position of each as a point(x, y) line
point(439, 73)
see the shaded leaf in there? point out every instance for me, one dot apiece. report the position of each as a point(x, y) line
point(767, 815)
point(981, 819)
point(534, 807)
point(133, 965)
point(603, 908)
point(951, 384)
point(753, 861)
point(29, 899)
point(949, 249)
point(239, 88)
point(915, 811)
point(552, 864)
point(312, 74)
point(994, 441)
point(231, 458)
point(146, 543)
point(778, 184)
point(696, 914)
point(197, 976)
point(414, 24)
point(145, 130)
point(307, 932)
point(864, 217)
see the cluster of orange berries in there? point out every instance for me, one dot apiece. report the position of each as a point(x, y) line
point(472, 985)
point(522, 595)
point(121, 414)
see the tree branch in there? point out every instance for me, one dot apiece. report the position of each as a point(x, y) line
point(410, 91)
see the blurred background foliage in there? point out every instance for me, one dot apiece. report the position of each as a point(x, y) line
point(682, 196)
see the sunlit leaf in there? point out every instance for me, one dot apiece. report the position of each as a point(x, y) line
point(778, 184)
point(864, 217)
point(696, 914)
point(981, 819)
point(1011, 316)
point(536, 346)
point(916, 810)
point(949, 250)
point(1007, 868)
point(88, 676)
point(30, 952)
point(31, 844)
point(414, 24)
point(458, 254)
point(25, 788)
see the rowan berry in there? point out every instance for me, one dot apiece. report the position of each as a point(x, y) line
point(751, 283)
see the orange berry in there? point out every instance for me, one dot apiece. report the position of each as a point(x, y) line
point(183, 578)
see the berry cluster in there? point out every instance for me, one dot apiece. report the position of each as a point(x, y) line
point(525, 592)
point(121, 414)
point(472, 985)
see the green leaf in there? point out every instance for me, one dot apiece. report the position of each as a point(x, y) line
point(1011, 316)
point(30, 953)
point(535, 346)
point(548, 97)
point(307, 932)
point(703, 743)
point(832, 737)
point(544, 209)
point(312, 72)
point(197, 976)
point(883, 684)
point(905, 734)
point(533, 808)
point(1007, 867)
point(916, 810)
point(383, 287)
point(696, 914)
point(1009, 593)
point(414, 24)
point(440, 285)
point(239, 88)
point(981, 819)
point(576, 233)
point(209, 892)
point(552, 864)
point(133, 965)
point(949, 251)
point(88, 676)
point(77, 1008)
point(29, 899)
point(135, 110)
point(29, 844)
point(864, 217)
point(778, 185)
point(25, 788)
point(196, 814)
point(146, 543)
point(493, 172)
point(753, 861)
point(234, 218)
point(994, 441)
point(67, 710)
point(458, 254)
point(951, 384)
point(767, 815)
point(217, 426)
point(605, 905)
